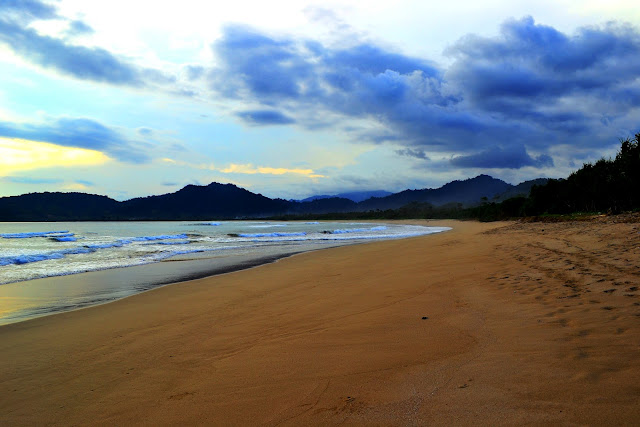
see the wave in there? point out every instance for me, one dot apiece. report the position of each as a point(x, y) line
point(116, 244)
point(63, 239)
point(164, 255)
point(213, 224)
point(32, 234)
point(138, 254)
point(161, 237)
point(29, 258)
point(25, 259)
point(177, 242)
point(358, 230)
point(302, 233)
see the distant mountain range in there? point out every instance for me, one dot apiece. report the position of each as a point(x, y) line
point(354, 196)
point(227, 201)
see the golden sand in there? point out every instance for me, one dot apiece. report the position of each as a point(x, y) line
point(501, 323)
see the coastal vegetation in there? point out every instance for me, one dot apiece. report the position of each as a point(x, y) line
point(606, 186)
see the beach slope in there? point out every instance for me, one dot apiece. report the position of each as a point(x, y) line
point(501, 323)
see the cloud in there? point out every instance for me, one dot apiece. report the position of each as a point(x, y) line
point(78, 61)
point(529, 88)
point(265, 117)
point(78, 28)
point(536, 73)
point(77, 132)
point(246, 169)
point(75, 186)
point(409, 152)
point(512, 157)
point(18, 155)
point(28, 10)
point(27, 180)
point(265, 67)
point(252, 170)
point(194, 72)
point(81, 62)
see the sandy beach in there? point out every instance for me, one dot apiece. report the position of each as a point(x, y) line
point(490, 324)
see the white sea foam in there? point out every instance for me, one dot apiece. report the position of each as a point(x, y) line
point(116, 244)
point(348, 230)
point(359, 230)
point(176, 242)
point(302, 233)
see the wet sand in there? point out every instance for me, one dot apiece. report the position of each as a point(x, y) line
point(501, 323)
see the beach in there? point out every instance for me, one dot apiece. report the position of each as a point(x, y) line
point(489, 323)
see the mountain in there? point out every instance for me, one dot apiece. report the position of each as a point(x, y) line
point(355, 196)
point(190, 203)
point(203, 202)
point(468, 192)
point(227, 201)
point(58, 207)
point(522, 189)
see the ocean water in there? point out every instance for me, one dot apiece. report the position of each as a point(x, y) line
point(40, 263)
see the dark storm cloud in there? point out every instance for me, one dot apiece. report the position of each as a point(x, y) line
point(265, 117)
point(529, 88)
point(80, 133)
point(536, 73)
point(85, 63)
point(267, 68)
point(78, 61)
point(368, 58)
point(529, 62)
point(513, 157)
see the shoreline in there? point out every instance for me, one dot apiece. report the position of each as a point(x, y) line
point(146, 285)
point(500, 323)
point(139, 278)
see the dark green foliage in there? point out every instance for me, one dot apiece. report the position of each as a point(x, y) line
point(605, 186)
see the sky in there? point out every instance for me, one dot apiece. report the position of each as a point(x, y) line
point(295, 98)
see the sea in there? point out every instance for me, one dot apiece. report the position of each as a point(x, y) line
point(52, 267)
